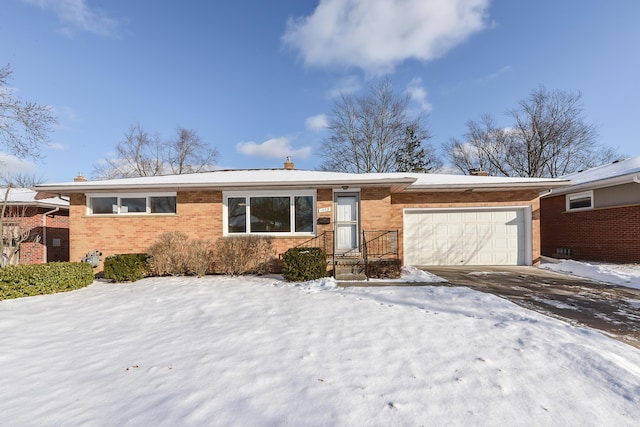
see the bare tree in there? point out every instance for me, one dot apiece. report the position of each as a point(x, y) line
point(188, 153)
point(549, 137)
point(143, 154)
point(24, 125)
point(367, 132)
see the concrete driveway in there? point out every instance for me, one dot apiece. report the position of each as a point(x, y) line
point(614, 310)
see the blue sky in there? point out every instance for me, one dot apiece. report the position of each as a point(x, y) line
point(257, 78)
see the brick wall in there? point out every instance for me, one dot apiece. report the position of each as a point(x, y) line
point(467, 199)
point(199, 216)
point(57, 227)
point(607, 234)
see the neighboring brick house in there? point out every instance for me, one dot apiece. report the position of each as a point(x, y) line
point(424, 219)
point(36, 222)
point(598, 217)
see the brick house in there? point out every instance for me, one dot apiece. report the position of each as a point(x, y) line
point(597, 218)
point(423, 219)
point(36, 222)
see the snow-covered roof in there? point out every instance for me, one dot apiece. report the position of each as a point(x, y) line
point(27, 196)
point(284, 178)
point(616, 173)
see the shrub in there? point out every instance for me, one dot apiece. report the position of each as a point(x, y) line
point(384, 269)
point(38, 279)
point(243, 255)
point(174, 254)
point(126, 267)
point(302, 264)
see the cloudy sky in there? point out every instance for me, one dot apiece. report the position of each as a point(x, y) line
point(258, 79)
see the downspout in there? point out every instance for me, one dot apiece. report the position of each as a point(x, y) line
point(44, 232)
point(636, 179)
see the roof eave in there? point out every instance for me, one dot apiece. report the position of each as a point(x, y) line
point(592, 185)
point(398, 184)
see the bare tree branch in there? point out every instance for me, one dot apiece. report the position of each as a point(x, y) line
point(549, 137)
point(143, 154)
point(24, 125)
point(368, 132)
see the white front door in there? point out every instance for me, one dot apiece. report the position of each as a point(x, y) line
point(346, 222)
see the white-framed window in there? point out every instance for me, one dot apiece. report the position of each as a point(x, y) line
point(580, 201)
point(131, 203)
point(269, 212)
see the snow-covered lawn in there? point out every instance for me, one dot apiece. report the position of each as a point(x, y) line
point(251, 351)
point(618, 274)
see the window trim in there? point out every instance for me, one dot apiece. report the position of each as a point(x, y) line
point(292, 194)
point(580, 195)
point(119, 196)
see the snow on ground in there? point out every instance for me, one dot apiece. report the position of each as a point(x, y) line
point(618, 274)
point(220, 351)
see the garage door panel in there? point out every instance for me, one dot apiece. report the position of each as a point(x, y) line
point(465, 237)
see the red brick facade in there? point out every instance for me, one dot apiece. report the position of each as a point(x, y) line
point(605, 234)
point(200, 216)
point(49, 235)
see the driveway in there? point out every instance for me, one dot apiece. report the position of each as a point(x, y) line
point(614, 310)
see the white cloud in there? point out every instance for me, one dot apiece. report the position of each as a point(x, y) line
point(377, 35)
point(419, 94)
point(273, 148)
point(76, 14)
point(317, 123)
point(11, 165)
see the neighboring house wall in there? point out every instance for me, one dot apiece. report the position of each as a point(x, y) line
point(57, 234)
point(617, 195)
point(599, 234)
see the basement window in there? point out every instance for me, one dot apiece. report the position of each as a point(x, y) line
point(580, 201)
point(131, 204)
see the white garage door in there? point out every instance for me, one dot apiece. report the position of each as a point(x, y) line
point(467, 236)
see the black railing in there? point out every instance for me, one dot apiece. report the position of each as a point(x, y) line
point(323, 241)
point(374, 245)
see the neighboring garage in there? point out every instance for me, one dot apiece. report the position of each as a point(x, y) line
point(468, 236)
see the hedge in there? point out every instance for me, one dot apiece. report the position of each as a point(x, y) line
point(303, 264)
point(126, 267)
point(38, 279)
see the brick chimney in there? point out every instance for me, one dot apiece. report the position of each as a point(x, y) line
point(478, 172)
point(288, 164)
point(79, 178)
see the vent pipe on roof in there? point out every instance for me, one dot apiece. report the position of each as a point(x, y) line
point(79, 178)
point(288, 164)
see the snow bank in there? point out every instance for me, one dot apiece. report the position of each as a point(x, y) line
point(617, 274)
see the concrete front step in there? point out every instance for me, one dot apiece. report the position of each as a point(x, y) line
point(350, 276)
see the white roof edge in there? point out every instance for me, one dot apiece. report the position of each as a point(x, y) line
point(79, 187)
point(592, 185)
point(499, 185)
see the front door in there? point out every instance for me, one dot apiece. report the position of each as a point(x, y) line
point(346, 222)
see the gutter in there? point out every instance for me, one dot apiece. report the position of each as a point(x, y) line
point(44, 231)
point(636, 179)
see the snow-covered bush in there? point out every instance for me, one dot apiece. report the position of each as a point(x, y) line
point(243, 255)
point(174, 254)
